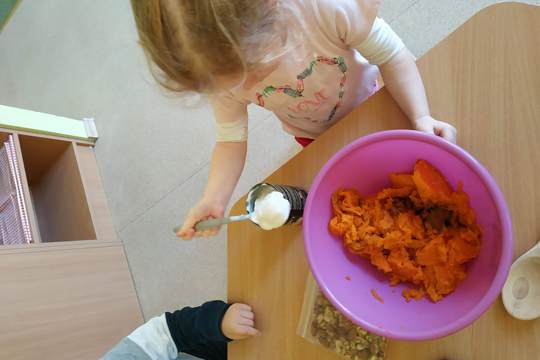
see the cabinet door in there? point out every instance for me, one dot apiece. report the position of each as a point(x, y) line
point(65, 301)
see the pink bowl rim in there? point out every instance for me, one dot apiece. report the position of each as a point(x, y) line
point(502, 211)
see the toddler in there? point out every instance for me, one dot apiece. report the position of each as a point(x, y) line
point(311, 62)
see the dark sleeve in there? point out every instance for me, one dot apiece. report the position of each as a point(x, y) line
point(197, 331)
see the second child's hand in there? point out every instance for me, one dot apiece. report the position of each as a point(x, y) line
point(239, 322)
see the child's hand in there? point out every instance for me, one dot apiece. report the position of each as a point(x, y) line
point(204, 209)
point(429, 125)
point(238, 322)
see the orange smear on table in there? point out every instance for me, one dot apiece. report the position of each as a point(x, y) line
point(376, 296)
point(419, 231)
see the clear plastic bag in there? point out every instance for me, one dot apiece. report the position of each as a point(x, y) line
point(321, 324)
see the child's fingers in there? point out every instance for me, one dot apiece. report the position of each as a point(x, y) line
point(245, 307)
point(207, 233)
point(246, 322)
point(249, 330)
point(449, 133)
point(426, 129)
point(188, 228)
point(247, 314)
point(185, 231)
point(186, 235)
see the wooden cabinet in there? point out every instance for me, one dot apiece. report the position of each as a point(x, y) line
point(65, 300)
point(69, 293)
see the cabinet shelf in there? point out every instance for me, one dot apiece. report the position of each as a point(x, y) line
point(59, 196)
point(56, 189)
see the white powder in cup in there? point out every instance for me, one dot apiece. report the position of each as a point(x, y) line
point(271, 211)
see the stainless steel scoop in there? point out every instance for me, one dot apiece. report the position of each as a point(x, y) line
point(256, 192)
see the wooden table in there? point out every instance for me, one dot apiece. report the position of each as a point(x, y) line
point(484, 78)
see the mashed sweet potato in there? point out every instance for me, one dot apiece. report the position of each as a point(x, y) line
point(419, 231)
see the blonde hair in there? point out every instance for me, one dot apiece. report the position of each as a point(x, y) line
point(190, 43)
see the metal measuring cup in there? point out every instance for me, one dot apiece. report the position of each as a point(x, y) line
point(295, 195)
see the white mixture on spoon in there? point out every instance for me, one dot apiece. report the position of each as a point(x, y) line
point(271, 211)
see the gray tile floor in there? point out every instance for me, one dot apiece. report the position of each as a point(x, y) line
point(80, 59)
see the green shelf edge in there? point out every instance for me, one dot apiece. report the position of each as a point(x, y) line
point(13, 118)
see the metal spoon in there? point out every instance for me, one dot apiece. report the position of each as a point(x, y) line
point(257, 191)
point(212, 223)
point(521, 292)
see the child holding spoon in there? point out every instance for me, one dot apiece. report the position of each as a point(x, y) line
point(309, 61)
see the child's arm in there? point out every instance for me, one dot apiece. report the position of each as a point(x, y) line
point(205, 330)
point(403, 80)
point(354, 24)
point(226, 167)
point(202, 331)
point(226, 164)
point(384, 48)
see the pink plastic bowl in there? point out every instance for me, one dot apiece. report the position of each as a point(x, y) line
point(347, 279)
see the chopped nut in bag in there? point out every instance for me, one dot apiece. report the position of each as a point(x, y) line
point(321, 324)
